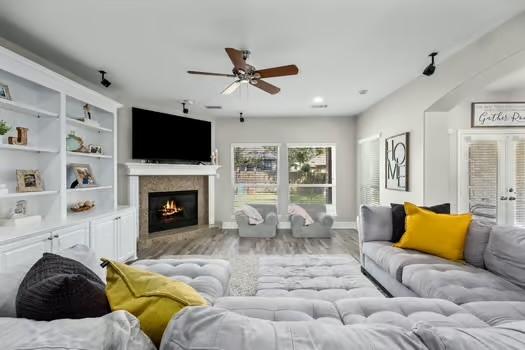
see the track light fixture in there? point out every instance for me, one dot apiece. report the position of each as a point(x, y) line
point(106, 83)
point(241, 118)
point(431, 68)
point(185, 109)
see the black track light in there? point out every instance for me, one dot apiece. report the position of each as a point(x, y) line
point(431, 67)
point(185, 109)
point(241, 118)
point(106, 83)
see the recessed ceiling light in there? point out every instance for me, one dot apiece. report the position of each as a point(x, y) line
point(363, 92)
point(318, 99)
point(213, 107)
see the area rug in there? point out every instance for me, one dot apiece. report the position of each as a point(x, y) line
point(245, 271)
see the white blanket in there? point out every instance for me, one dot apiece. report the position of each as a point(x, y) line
point(254, 217)
point(294, 209)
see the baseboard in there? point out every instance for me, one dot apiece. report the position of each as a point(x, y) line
point(286, 225)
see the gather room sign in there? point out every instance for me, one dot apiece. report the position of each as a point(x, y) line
point(498, 114)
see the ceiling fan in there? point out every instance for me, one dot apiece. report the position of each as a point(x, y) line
point(247, 74)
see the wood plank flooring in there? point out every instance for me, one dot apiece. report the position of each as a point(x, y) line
point(215, 241)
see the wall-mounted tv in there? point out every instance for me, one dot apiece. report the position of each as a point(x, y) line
point(170, 138)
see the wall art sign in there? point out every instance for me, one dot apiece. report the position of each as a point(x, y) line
point(396, 162)
point(498, 114)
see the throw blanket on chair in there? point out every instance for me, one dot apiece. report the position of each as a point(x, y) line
point(254, 217)
point(294, 209)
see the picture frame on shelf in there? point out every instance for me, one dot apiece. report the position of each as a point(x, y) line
point(397, 162)
point(29, 181)
point(4, 92)
point(83, 175)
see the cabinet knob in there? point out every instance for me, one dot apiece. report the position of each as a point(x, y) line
point(56, 236)
point(49, 238)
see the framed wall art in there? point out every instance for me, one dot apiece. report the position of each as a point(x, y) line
point(396, 162)
point(29, 181)
point(498, 114)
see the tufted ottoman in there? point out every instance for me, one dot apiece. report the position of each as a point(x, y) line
point(209, 277)
point(313, 277)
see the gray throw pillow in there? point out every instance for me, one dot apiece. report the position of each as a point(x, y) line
point(57, 287)
point(477, 239)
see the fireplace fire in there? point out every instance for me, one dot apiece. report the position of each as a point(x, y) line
point(169, 210)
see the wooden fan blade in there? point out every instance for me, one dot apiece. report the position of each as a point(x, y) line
point(236, 57)
point(269, 88)
point(212, 74)
point(231, 88)
point(278, 71)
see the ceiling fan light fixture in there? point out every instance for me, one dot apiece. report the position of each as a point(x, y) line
point(241, 118)
point(318, 99)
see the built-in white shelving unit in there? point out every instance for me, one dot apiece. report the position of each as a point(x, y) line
point(50, 106)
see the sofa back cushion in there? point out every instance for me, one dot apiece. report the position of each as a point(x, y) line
point(505, 253)
point(215, 328)
point(508, 336)
point(477, 240)
point(376, 223)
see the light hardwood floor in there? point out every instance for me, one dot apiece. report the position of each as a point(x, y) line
point(215, 241)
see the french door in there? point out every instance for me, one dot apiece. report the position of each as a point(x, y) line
point(492, 176)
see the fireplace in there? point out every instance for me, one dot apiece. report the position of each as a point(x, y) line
point(169, 210)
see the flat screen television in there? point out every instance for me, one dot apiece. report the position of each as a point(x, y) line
point(165, 137)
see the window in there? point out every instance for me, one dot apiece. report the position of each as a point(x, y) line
point(255, 174)
point(369, 171)
point(311, 174)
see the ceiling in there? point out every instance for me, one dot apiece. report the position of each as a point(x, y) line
point(340, 46)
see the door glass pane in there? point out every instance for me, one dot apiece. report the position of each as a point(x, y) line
point(519, 171)
point(483, 179)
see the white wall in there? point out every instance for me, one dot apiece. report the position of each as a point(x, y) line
point(340, 131)
point(404, 110)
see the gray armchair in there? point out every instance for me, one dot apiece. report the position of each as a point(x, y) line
point(322, 226)
point(267, 229)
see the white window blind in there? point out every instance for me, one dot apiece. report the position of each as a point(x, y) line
point(519, 171)
point(311, 174)
point(255, 174)
point(483, 179)
point(369, 172)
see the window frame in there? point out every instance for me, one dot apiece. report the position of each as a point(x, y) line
point(232, 167)
point(372, 138)
point(330, 208)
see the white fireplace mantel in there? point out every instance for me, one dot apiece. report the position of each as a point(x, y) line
point(135, 170)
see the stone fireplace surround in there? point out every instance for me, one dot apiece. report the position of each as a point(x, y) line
point(146, 177)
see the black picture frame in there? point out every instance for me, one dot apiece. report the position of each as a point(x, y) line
point(402, 140)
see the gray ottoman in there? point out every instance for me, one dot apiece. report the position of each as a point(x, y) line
point(209, 277)
point(313, 277)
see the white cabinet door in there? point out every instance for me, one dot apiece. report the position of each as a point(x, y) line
point(27, 251)
point(127, 242)
point(68, 237)
point(104, 237)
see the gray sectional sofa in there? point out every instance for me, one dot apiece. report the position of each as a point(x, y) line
point(493, 270)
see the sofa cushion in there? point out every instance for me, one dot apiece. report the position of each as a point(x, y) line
point(376, 223)
point(393, 260)
point(437, 234)
point(209, 277)
point(459, 283)
point(117, 331)
point(399, 216)
point(510, 336)
point(496, 313)
point(505, 253)
point(313, 276)
point(405, 312)
point(282, 309)
point(57, 287)
point(214, 328)
point(149, 296)
point(476, 243)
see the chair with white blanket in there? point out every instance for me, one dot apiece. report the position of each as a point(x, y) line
point(321, 226)
point(266, 229)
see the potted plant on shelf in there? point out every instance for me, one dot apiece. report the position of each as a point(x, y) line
point(4, 129)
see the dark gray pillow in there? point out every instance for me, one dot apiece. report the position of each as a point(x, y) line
point(56, 287)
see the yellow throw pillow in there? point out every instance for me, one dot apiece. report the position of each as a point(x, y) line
point(154, 299)
point(437, 234)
